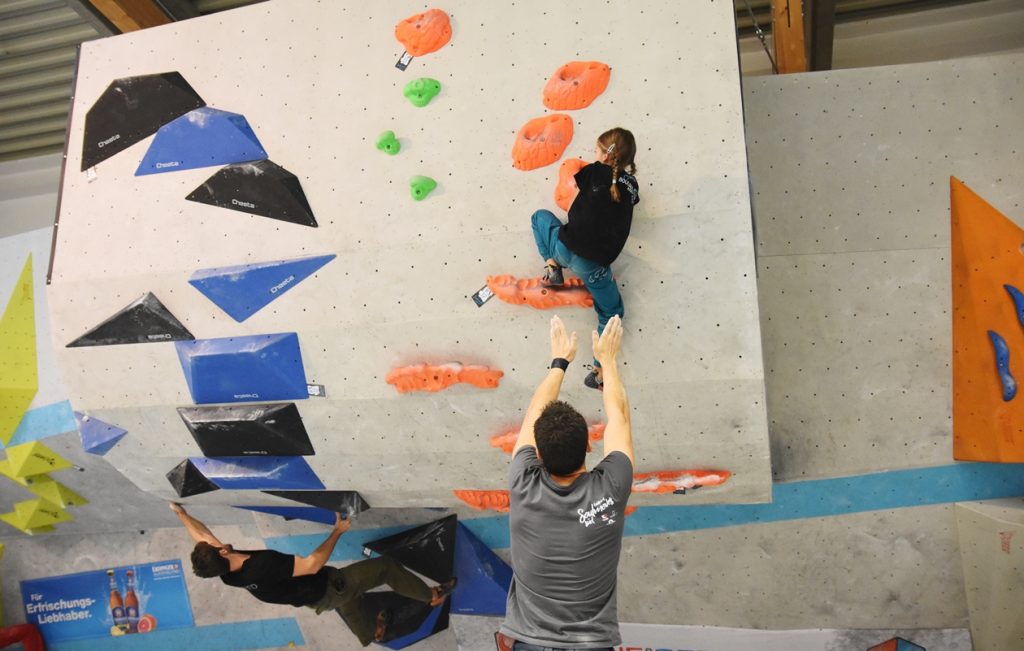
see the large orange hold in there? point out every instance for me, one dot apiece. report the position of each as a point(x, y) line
point(986, 257)
point(485, 500)
point(429, 377)
point(530, 291)
point(575, 85)
point(506, 441)
point(424, 33)
point(541, 141)
point(566, 190)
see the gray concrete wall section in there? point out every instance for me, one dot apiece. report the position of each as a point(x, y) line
point(851, 200)
point(317, 94)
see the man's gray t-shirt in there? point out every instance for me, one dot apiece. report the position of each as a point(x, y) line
point(566, 542)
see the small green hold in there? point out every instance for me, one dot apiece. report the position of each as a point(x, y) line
point(421, 91)
point(421, 186)
point(388, 143)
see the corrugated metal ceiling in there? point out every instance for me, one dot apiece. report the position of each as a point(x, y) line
point(38, 41)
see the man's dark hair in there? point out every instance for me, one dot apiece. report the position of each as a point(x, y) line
point(207, 561)
point(561, 434)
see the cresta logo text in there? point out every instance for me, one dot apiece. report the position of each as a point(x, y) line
point(244, 204)
point(104, 143)
point(281, 285)
point(173, 163)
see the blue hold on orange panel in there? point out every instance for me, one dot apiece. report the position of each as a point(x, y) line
point(483, 577)
point(243, 290)
point(309, 513)
point(244, 369)
point(201, 138)
point(97, 437)
point(257, 473)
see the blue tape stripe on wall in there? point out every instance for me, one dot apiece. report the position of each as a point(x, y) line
point(42, 422)
point(258, 634)
point(791, 501)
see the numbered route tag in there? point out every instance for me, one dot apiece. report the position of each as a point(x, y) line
point(404, 61)
point(485, 294)
point(316, 390)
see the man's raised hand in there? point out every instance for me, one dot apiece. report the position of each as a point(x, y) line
point(606, 347)
point(562, 345)
point(341, 524)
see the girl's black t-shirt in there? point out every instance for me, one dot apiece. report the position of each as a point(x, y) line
point(268, 576)
point(598, 227)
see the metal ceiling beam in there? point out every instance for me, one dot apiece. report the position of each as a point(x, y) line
point(820, 25)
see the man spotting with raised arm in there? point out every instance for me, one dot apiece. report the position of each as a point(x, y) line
point(566, 522)
point(278, 578)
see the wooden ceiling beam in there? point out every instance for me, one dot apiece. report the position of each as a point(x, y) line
point(788, 36)
point(131, 15)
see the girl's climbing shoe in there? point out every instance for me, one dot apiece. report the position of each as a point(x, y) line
point(552, 277)
point(592, 381)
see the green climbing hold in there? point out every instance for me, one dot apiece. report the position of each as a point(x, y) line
point(388, 143)
point(421, 186)
point(421, 91)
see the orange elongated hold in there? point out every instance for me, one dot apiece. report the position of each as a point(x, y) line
point(485, 500)
point(541, 141)
point(672, 481)
point(424, 33)
point(629, 510)
point(506, 441)
point(575, 85)
point(530, 291)
point(566, 190)
point(430, 377)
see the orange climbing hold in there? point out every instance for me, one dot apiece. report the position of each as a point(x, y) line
point(671, 481)
point(507, 440)
point(485, 500)
point(630, 510)
point(530, 291)
point(575, 85)
point(566, 190)
point(424, 33)
point(541, 141)
point(429, 377)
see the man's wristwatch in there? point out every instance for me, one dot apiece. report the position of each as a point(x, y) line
point(559, 362)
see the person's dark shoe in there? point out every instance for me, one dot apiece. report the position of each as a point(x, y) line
point(552, 277)
point(443, 590)
point(592, 381)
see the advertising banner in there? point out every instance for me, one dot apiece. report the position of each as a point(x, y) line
point(117, 601)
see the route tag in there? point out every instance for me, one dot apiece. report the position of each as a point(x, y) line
point(404, 61)
point(485, 294)
point(316, 390)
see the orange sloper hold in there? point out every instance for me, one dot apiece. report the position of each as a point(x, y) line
point(507, 440)
point(430, 377)
point(541, 141)
point(485, 500)
point(575, 85)
point(424, 33)
point(566, 190)
point(530, 291)
point(986, 261)
point(670, 481)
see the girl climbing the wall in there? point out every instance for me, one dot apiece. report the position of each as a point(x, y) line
point(598, 225)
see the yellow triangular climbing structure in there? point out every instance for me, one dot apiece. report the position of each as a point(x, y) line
point(30, 459)
point(19, 379)
point(35, 516)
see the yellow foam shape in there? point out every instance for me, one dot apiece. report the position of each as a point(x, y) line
point(33, 458)
point(53, 491)
point(13, 520)
point(19, 377)
point(40, 513)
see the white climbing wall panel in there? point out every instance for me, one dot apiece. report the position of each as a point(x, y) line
point(317, 82)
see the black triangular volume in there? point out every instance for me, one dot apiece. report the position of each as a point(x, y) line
point(145, 321)
point(132, 109)
point(274, 429)
point(407, 616)
point(261, 188)
point(344, 502)
point(428, 549)
point(186, 480)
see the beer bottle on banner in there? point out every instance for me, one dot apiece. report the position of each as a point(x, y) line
point(131, 603)
point(116, 604)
